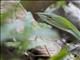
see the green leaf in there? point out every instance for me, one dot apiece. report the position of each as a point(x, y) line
point(60, 22)
point(61, 54)
point(73, 14)
point(22, 46)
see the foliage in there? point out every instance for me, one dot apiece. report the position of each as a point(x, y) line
point(61, 23)
point(61, 54)
point(41, 32)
